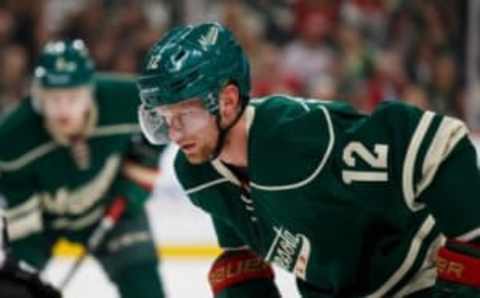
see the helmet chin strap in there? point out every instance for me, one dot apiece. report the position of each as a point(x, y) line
point(222, 133)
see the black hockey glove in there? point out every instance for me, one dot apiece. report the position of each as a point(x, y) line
point(18, 280)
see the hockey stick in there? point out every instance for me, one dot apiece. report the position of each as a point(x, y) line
point(108, 221)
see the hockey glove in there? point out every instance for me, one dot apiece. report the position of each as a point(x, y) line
point(458, 266)
point(241, 274)
point(21, 280)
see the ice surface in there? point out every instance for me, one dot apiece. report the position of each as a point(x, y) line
point(182, 279)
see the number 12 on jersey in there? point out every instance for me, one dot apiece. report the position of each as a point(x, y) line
point(377, 160)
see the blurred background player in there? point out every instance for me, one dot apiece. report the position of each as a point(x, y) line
point(69, 150)
point(352, 205)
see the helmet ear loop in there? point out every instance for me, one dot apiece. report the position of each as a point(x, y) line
point(221, 138)
point(222, 132)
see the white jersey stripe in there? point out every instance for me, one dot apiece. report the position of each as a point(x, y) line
point(116, 130)
point(469, 236)
point(410, 158)
point(205, 185)
point(427, 274)
point(317, 170)
point(3, 242)
point(41, 150)
point(25, 225)
point(224, 171)
point(409, 260)
point(80, 222)
point(448, 134)
point(28, 157)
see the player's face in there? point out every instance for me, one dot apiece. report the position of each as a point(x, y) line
point(66, 109)
point(192, 128)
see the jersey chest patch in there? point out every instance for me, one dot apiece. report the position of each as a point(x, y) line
point(290, 251)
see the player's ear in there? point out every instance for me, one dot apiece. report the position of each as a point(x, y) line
point(229, 102)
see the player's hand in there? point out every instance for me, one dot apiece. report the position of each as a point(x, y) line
point(458, 266)
point(21, 280)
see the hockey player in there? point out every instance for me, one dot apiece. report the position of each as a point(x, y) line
point(353, 205)
point(66, 153)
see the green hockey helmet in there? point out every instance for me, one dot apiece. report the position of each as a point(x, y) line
point(64, 64)
point(194, 62)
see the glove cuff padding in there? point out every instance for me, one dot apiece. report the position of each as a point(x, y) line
point(459, 267)
point(241, 274)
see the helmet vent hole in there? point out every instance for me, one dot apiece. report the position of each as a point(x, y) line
point(180, 55)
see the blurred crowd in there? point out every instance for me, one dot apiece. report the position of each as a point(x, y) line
point(361, 51)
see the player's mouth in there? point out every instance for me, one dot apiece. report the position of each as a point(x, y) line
point(188, 147)
point(63, 121)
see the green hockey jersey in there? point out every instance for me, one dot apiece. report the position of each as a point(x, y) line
point(52, 188)
point(336, 197)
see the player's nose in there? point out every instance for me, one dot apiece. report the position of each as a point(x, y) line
point(175, 134)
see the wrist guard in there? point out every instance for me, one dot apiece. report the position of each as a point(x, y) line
point(458, 267)
point(242, 274)
point(459, 263)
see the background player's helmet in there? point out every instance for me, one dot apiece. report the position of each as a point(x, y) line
point(194, 62)
point(64, 64)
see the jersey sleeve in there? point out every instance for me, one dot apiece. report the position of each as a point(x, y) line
point(139, 173)
point(452, 196)
point(3, 237)
point(23, 205)
point(227, 236)
point(19, 191)
point(24, 218)
point(436, 164)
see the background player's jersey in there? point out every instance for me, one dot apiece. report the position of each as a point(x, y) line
point(3, 238)
point(334, 196)
point(50, 186)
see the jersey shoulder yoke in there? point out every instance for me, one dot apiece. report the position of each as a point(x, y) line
point(23, 138)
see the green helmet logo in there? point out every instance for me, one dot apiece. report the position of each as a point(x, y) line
point(194, 62)
point(64, 64)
